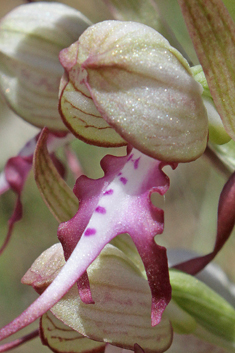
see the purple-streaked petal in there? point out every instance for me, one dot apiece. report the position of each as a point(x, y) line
point(78, 110)
point(17, 169)
point(122, 302)
point(117, 203)
point(225, 224)
point(60, 338)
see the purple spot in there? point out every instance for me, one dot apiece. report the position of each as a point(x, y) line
point(119, 174)
point(90, 231)
point(108, 192)
point(100, 209)
point(129, 158)
point(136, 163)
point(123, 180)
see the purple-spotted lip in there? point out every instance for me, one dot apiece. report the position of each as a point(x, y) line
point(90, 231)
point(100, 209)
point(108, 192)
point(123, 180)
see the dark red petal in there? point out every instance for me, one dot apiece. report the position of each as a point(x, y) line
point(19, 341)
point(225, 224)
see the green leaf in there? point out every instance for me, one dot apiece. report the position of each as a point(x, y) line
point(210, 311)
point(212, 31)
point(57, 195)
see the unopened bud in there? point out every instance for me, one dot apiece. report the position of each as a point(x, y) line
point(129, 75)
point(31, 37)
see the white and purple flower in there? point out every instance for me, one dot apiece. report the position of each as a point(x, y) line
point(123, 84)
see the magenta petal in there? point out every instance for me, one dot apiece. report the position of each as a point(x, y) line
point(16, 172)
point(14, 177)
point(143, 225)
point(225, 224)
point(19, 341)
point(88, 192)
point(124, 193)
point(133, 213)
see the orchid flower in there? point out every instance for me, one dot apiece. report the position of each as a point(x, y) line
point(123, 84)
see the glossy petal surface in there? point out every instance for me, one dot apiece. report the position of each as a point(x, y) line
point(140, 85)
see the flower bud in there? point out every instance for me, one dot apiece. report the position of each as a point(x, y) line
point(129, 75)
point(31, 37)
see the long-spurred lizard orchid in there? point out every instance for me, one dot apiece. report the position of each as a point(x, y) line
point(135, 89)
